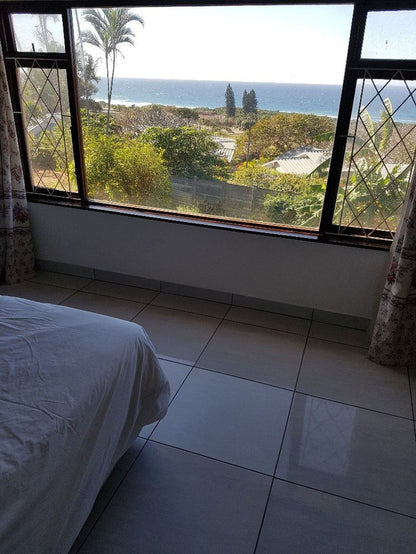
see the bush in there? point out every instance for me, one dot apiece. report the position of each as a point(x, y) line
point(121, 169)
point(186, 151)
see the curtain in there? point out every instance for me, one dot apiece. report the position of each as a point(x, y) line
point(394, 335)
point(17, 260)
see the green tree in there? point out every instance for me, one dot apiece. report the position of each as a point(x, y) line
point(87, 79)
point(122, 169)
point(187, 151)
point(110, 30)
point(230, 101)
point(279, 133)
point(249, 102)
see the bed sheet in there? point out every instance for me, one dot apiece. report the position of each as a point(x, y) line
point(75, 390)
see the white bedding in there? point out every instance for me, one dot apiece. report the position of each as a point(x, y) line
point(75, 390)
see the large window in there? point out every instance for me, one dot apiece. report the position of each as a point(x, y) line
point(294, 117)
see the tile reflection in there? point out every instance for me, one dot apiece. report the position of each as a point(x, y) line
point(327, 431)
point(352, 452)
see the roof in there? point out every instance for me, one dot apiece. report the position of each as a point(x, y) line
point(226, 147)
point(300, 161)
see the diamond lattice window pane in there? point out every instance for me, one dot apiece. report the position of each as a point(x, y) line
point(379, 157)
point(45, 104)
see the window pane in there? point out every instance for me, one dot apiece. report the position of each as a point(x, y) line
point(379, 157)
point(389, 35)
point(44, 95)
point(38, 32)
point(201, 127)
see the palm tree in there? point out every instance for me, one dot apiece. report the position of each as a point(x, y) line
point(110, 29)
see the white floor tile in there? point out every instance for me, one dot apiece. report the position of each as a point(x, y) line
point(107, 491)
point(345, 374)
point(177, 335)
point(36, 291)
point(352, 452)
point(299, 519)
point(251, 352)
point(125, 292)
point(60, 280)
point(106, 305)
point(176, 374)
point(230, 419)
point(189, 304)
point(269, 320)
point(337, 333)
point(175, 502)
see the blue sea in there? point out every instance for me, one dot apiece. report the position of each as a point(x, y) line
point(300, 98)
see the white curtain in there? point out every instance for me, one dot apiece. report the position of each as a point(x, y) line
point(394, 336)
point(17, 261)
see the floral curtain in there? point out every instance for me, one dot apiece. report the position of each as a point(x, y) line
point(394, 336)
point(17, 261)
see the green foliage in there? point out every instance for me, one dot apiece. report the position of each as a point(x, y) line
point(110, 29)
point(189, 114)
point(230, 101)
point(96, 123)
point(299, 205)
point(87, 79)
point(249, 102)
point(254, 174)
point(374, 195)
point(121, 169)
point(186, 151)
point(271, 136)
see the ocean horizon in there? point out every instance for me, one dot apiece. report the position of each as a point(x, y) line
point(284, 97)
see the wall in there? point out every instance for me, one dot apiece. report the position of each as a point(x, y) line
point(333, 278)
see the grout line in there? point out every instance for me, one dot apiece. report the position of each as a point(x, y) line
point(281, 444)
point(342, 497)
point(355, 406)
point(212, 336)
point(413, 405)
point(281, 387)
point(212, 458)
point(181, 310)
point(170, 402)
point(108, 502)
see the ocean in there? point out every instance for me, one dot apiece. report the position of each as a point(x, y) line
point(300, 98)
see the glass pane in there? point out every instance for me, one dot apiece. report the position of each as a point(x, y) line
point(242, 132)
point(389, 35)
point(44, 94)
point(38, 32)
point(379, 157)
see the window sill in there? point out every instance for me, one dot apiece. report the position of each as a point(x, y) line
point(241, 226)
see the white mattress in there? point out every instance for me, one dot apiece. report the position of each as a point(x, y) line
point(75, 390)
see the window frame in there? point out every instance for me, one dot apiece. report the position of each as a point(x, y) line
point(355, 67)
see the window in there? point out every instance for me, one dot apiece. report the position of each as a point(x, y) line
point(294, 117)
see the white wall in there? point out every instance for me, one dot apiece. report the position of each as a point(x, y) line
point(334, 278)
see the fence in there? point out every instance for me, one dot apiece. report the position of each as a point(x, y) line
point(213, 196)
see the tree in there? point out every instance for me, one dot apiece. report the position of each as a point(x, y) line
point(249, 102)
point(87, 79)
point(110, 30)
point(230, 101)
point(45, 36)
point(281, 132)
point(244, 101)
point(123, 169)
point(186, 151)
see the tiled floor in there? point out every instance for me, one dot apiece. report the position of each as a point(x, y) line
point(280, 437)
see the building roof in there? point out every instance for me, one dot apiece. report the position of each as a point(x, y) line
point(300, 161)
point(226, 147)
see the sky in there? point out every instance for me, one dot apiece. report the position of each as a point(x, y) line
point(280, 44)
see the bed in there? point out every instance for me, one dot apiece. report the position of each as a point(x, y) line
point(75, 390)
